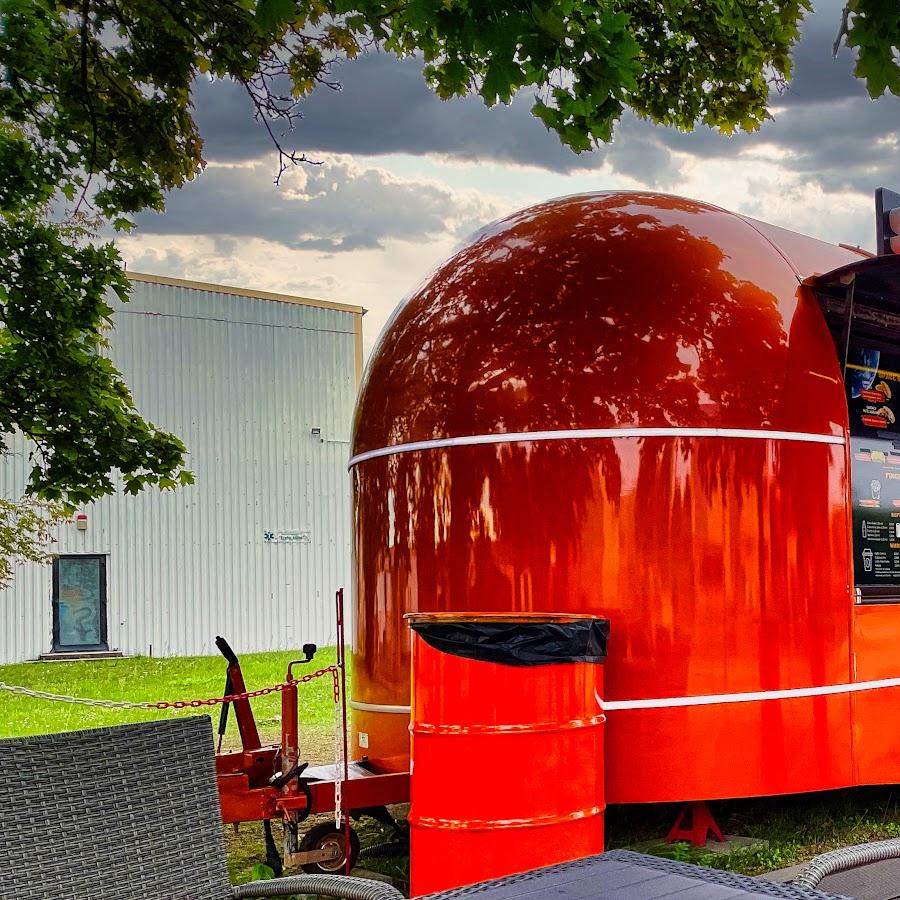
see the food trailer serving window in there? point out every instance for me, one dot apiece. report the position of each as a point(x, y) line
point(861, 303)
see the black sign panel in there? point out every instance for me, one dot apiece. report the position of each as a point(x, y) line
point(873, 398)
point(885, 201)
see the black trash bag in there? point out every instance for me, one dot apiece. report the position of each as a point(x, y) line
point(518, 643)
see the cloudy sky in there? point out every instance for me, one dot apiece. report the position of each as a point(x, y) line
point(405, 176)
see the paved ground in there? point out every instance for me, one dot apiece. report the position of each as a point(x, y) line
point(879, 881)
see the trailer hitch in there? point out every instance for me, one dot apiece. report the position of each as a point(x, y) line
point(280, 780)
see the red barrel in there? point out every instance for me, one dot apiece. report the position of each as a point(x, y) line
point(507, 744)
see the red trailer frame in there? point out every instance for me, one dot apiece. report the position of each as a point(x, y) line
point(264, 782)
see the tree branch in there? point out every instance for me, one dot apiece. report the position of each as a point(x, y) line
point(85, 11)
point(286, 158)
point(843, 31)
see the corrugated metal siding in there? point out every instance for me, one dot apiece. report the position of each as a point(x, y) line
point(25, 614)
point(243, 382)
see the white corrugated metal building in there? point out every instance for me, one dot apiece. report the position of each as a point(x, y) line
point(260, 387)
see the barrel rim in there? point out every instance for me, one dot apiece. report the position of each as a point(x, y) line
point(521, 616)
point(511, 728)
point(446, 824)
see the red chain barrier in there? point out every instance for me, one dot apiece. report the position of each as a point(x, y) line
point(247, 695)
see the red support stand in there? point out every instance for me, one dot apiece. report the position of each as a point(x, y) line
point(694, 823)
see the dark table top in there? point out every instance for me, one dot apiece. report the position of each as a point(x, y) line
point(626, 875)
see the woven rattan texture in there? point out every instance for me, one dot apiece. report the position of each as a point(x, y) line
point(759, 886)
point(617, 875)
point(112, 814)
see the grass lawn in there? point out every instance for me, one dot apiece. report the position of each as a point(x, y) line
point(796, 828)
point(144, 679)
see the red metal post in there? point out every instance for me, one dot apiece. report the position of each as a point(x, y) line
point(342, 667)
point(290, 738)
point(234, 684)
point(242, 710)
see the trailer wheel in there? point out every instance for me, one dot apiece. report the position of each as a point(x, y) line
point(326, 835)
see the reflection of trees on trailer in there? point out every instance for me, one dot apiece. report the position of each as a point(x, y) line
point(633, 405)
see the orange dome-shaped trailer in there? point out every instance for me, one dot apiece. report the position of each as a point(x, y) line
point(633, 406)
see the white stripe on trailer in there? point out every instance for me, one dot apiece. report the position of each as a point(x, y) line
point(583, 434)
point(379, 707)
point(824, 690)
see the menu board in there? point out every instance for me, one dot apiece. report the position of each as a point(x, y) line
point(873, 398)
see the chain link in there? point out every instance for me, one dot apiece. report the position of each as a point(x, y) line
point(178, 704)
point(338, 756)
point(85, 701)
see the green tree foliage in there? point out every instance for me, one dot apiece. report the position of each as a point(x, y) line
point(25, 534)
point(872, 27)
point(97, 122)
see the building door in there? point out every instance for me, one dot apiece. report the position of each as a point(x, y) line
point(79, 603)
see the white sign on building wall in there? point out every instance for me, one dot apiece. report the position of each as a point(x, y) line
point(286, 537)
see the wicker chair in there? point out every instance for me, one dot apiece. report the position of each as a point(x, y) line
point(127, 813)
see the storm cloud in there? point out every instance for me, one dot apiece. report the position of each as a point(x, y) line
point(338, 206)
point(384, 106)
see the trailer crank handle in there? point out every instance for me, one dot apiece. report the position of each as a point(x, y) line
point(309, 651)
point(280, 780)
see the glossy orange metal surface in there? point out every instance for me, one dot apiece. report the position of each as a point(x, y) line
point(876, 737)
point(722, 562)
point(519, 734)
